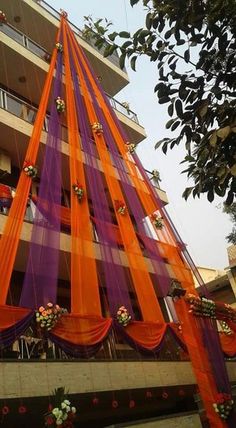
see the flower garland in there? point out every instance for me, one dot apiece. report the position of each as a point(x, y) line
point(97, 128)
point(2, 17)
point(49, 315)
point(226, 328)
point(157, 221)
point(156, 176)
point(208, 308)
point(30, 169)
point(131, 147)
point(201, 307)
point(63, 415)
point(63, 13)
point(123, 317)
point(60, 105)
point(59, 47)
point(223, 405)
point(120, 207)
point(79, 191)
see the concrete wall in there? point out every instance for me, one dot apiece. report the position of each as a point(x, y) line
point(29, 379)
point(187, 421)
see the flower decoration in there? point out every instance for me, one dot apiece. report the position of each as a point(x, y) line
point(114, 404)
point(59, 47)
point(2, 17)
point(132, 404)
point(63, 415)
point(165, 395)
point(126, 106)
point(157, 221)
point(30, 169)
point(63, 13)
point(156, 176)
point(97, 128)
point(120, 207)
point(148, 394)
point(131, 147)
point(95, 401)
point(123, 317)
point(48, 316)
point(60, 105)
point(226, 328)
point(79, 191)
point(223, 404)
point(5, 410)
point(201, 306)
point(22, 410)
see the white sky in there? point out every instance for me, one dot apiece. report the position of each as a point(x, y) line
point(201, 225)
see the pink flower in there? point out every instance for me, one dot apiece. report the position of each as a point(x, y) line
point(44, 313)
point(22, 409)
point(49, 311)
point(5, 410)
point(41, 309)
point(50, 305)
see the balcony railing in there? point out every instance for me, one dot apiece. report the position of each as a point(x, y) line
point(117, 105)
point(114, 58)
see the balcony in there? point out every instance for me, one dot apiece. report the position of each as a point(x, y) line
point(42, 22)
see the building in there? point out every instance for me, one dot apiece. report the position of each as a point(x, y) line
point(121, 386)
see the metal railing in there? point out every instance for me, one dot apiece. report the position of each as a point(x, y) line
point(114, 58)
point(25, 41)
point(117, 105)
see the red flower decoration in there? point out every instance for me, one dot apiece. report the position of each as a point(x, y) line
point(181, 393)
point(22, 409)
point(5, 410)
point(131, 404)
point(114, 404)
point(50, 420)
point(95, 401)
point(165, 395)
point(149, 394)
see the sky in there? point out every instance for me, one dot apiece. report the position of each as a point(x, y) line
point(201, 224)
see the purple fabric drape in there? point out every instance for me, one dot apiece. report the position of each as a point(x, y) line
point(116, 282)
point(40, 281)
point(9, 335)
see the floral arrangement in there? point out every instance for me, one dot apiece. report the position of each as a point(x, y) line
point(60, 105)
point(30, 169)
point(97, 128)
point(59, 47)
point(131, 147)
point(79, 191)
point(48, 316)
point(223, 405)
point(226, 328)
point(126, 105)
point(201, 306)
point(123, 317)
point(63, 414)
point(2, 17)
point(208, 308)
point(157, 221)
point(156, 175)
point(120, 207)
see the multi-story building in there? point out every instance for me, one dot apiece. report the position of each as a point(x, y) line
point(117, 386)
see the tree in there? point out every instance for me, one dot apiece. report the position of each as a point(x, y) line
point(193, 44)
point(231, 210)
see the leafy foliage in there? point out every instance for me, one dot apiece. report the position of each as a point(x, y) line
point(231, 210)
point(193, 44)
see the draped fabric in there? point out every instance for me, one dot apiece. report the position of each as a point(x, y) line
point(13, 322)
point(228, 344)
point(146, 296)
point(40, 281)
point(11, 234)
point(85, 297)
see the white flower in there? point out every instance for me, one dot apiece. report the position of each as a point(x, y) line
point(59, 421)
point(63, 405)
point(67, 402)
point(64, 417)
point(55, 411)
point(68, 409)
point(73, 409)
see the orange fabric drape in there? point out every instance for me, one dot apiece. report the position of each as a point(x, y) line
point(85, 297)
point(146, 334)
point(141, 279)
point(82, 330)
point(228, 344)
point(200, 362)
point(9, 315)
point(11, 234)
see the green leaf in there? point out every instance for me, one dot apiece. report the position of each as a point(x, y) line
point(133, 62)
point(149, 20)
point(213, 139)
point(187, 55)
point(124, 34)
point(122, 61)
point(233, 170)
point(223, 132)
point(169, 123)
point(187, 192)
point(133, 2)
point(210, 195)
point(112, 36)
